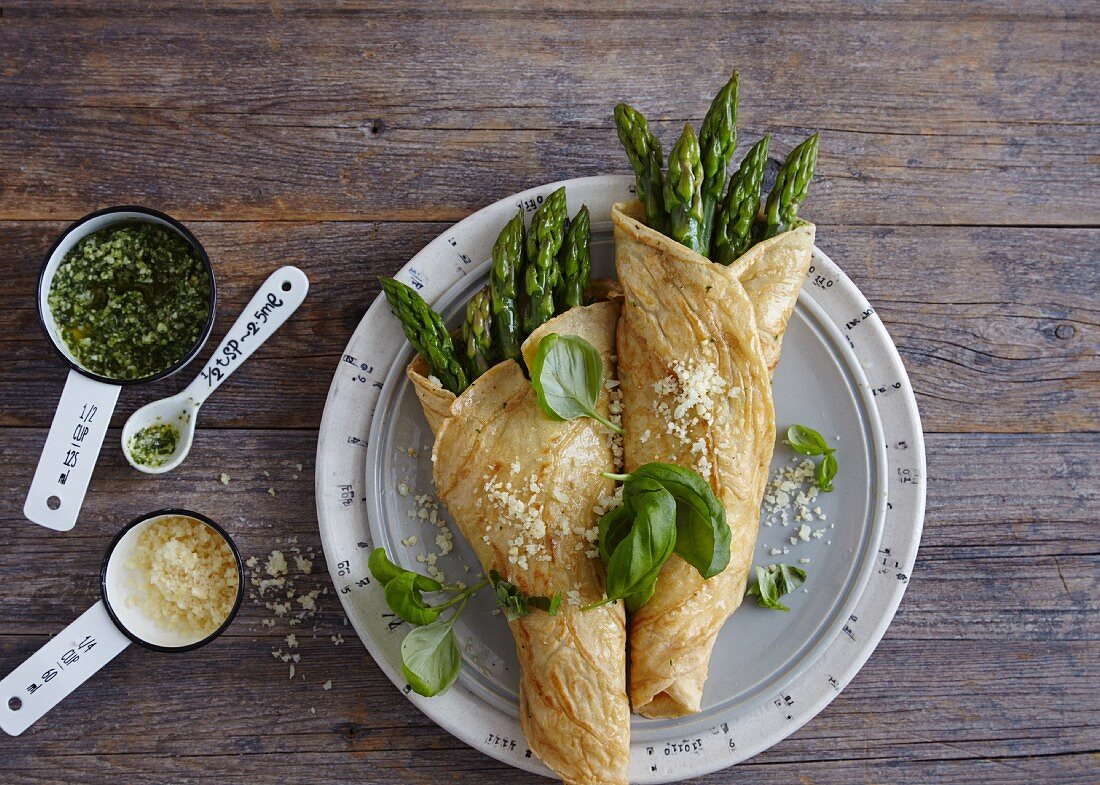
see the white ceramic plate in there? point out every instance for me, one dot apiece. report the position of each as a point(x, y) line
point(771, 672)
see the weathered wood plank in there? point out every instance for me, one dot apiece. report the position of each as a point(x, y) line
point(468, 766)
point(982, 120)
point(998, 328)
point(1009, 548)
point(938, 654)
point(328, 57)
point(364, 719)
point(1030, 175)
point(596, 9)
point(1011, 496)
point(992, 325)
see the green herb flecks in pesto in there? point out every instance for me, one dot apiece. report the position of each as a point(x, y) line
point(130, 300)
point(153, 445)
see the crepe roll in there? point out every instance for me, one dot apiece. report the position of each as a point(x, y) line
point(524, 490)
point(697, 393)
point(772, 272)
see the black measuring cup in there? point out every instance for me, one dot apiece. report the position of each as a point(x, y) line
point(84, 411)
point(103, 631)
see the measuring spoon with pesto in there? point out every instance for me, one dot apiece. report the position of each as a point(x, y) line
point(126, 296)
point(158, 436)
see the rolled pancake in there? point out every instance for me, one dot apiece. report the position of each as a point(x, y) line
point(522, 489)
point(435, 399)
point(772, 273)
point(696, 392)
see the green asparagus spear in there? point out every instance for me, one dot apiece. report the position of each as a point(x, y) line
point(477, 335)
point(504, 276)
point(644, 151)
point(791, 185)
point(735, 216)
point(683, 192)
point(426, 332)
point(574, 262)
point(544, 240)
point(717, 141)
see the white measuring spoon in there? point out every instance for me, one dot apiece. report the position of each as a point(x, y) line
point(274, 302)
point(101, 633)
point(80, 423)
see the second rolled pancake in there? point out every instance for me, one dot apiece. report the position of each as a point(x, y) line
point(696, 392)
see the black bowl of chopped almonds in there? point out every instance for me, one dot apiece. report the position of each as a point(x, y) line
point(172, 580)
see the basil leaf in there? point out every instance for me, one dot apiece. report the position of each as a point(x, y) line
point(515, 603)
point(766, 591)
point(510, 605)
point(381, 567)
point(826, 471)
point(790, 577)
point(430, 658)
point(641, 597)
point(762, 586)
point(702, 533)
point(773, 581)
point(638, 558)
point(404, 596)
point(809, 442)
point(614, 525)
point(806, 440)
point(549, 605)
point(567, 375)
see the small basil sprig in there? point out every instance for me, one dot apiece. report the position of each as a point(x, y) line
point(515, 603)
point(567, 375)
point(702, 533)
point(809, 442)
point(405, 595)
point(666, 509)
point(773, 581)
point(430, 659)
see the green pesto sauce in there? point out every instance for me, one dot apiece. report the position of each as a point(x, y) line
point(154, 444)
point(130, 300)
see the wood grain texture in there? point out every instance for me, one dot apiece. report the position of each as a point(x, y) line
point(1034, 613)
point(1040, 574)
point(959, 186)
point(303, 115)
point(1007, 342)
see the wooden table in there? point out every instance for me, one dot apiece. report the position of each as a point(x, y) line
point(959, 186)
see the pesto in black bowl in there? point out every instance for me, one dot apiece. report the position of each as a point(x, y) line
point(131, 300)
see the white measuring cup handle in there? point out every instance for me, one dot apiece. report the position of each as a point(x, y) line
point(274, 302)
point(51, 673)
point(70, 453)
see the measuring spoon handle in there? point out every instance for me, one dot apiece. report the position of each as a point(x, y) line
point(274, 302)
point(70, 452)
point(68, 660)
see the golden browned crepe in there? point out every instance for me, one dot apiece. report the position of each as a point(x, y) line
point(772, 273)
point(696, 392)
point(522, 489)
